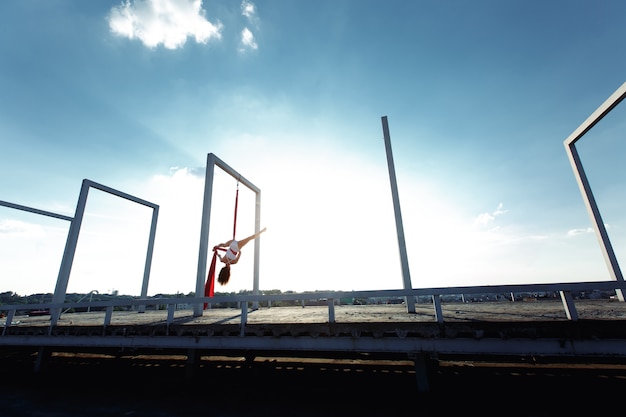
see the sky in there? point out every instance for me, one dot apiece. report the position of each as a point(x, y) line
point(479, 96)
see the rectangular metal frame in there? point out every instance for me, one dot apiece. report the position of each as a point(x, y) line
point(72, 240)
point(585, 187)
point(213, 161)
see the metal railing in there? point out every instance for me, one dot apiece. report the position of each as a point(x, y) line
point(247, 300)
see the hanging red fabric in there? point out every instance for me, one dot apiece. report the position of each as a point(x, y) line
point(209, 286)
point(236, 204)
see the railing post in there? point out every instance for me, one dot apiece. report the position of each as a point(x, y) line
point(9, 320)
point(108, 315)
point(438, 311)
point(331, 310)
point(244, 317)
point(568, 303)
point(170, 313)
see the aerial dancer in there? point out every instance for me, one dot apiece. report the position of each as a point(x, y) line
point(232, 254)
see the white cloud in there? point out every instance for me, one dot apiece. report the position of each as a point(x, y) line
point(576, 232)
point(487, 218)
point(500, 210)
point(18, 228)
point(247, 40)
point(248, 9)
point(167, 22)
point(484, 218)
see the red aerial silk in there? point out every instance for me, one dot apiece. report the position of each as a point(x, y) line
point(209, 286)
point(236, 203)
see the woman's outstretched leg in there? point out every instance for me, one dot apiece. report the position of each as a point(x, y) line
point(243, 242)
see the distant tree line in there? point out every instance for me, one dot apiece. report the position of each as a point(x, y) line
point(12, 298)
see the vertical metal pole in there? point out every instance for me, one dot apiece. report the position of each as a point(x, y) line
point(204, 232)
point(406, 275)
point(150, 251)
point(257, 245)
point(68, 254)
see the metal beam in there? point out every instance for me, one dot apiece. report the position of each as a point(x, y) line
point(323, 345)
point(406, 275)
point(34, 210)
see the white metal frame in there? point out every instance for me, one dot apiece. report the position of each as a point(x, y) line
point(72, 240)
point(585, 187)
point(213, 161)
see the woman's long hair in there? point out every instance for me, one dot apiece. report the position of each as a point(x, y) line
point(224, 275)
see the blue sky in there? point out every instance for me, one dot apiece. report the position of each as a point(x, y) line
point(479, 97)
